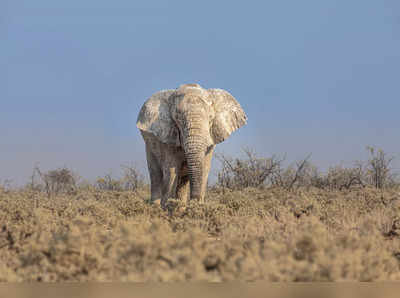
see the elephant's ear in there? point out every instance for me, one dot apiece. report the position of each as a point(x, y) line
point(155, 118)
point(229, 115)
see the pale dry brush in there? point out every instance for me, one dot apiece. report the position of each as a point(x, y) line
point(272, 234)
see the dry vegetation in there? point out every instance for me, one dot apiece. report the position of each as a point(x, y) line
point(303, 235)
point(308, 232)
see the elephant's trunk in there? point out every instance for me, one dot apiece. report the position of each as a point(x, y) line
point(195, 146)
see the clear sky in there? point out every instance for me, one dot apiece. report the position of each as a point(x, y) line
point(318, 77)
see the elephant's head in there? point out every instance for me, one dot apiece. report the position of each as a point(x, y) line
point(193, 118)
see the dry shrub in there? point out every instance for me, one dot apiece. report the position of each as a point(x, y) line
point(379, 170)
point(53, 182)
point(252, 171)
point(306, 234)
point(108, 183)
point(297, 174)
point(5, 186)
point(340, 177)
point(261, 172)
point(131, 180)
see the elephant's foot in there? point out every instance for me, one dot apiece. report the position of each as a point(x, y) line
point(164, 203)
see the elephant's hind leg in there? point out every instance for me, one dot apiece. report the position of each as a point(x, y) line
point(183, 189)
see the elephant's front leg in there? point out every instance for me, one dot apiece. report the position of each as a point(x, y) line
point(206, 171)
point(183, 181)
point(168, 185)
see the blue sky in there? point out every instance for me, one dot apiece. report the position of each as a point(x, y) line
point(318, 77)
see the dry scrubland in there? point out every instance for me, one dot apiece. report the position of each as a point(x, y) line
point(254, 234)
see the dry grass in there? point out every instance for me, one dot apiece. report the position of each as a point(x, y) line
point(275, 235)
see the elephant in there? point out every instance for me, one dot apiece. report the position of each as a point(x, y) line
point(180, 129)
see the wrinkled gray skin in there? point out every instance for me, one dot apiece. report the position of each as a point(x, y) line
point(180, 129)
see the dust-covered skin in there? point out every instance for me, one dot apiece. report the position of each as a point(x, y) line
point(181, 128)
